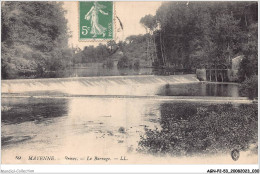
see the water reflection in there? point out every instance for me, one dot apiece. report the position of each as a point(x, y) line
point(98, 69)
point(19, 110)
point(123, 126)
point(200, 89)
point(93, 125)
point(189, 128)
point(23, 119)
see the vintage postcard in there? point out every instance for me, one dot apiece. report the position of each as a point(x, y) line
point(114, 82)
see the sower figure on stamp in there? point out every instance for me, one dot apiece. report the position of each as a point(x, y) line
point(96, 28)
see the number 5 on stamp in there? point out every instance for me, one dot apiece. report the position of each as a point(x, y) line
point(96, 20)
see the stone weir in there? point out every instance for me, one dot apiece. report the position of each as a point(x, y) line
point(147, 85)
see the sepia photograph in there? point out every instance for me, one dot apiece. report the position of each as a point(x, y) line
point(116, 82)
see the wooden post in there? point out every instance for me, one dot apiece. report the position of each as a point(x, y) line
point(161, 47)
point(222, 76)
point(147, 50)
point(210, 75)
point(216, 77)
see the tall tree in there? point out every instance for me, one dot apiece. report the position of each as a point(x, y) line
point(34, 38)
point(204, 34)
point(150, 24)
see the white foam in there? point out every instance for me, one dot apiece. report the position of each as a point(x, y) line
point(113, 85)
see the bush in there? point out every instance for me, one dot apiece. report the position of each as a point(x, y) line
point(137, 64)
point(246, 69)
point(123, 62)
point(249, 87)
point(8, 70)
point(189, 129)
point(110, 64)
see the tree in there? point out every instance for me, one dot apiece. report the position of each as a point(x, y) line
point(204, 34)
point(249, 65)
point(34, 38)
point(149, 22)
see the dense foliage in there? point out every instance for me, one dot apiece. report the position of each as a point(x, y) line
point(99, 53)
point(128, 53)
point(196, 35)
point(249, 65)
point(188, 129)
point(181, 35)
point(249, 87)
point(206, 34)
point(34, 39)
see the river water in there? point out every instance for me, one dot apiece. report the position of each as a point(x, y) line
point(97, 69)
point(144, 119)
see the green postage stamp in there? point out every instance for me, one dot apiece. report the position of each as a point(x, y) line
point(96, 20)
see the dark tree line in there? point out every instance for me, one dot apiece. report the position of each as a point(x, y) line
point(191, 35)
point(100, 53)
point(204, 34)
point(185, 35)
point(130, 53)
point(34, 39)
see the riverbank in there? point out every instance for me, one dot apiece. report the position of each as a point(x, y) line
point(113, 127)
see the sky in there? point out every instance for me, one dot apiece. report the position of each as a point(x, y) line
point(129, 13)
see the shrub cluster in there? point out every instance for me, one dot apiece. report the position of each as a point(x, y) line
point(188, 129)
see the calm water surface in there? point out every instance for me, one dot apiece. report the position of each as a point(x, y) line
point(201, 89)
point(97, 69)
point(82, 126)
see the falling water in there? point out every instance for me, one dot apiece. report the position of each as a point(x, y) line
point(115, 85)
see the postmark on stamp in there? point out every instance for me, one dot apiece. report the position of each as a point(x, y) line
point(96, 20)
